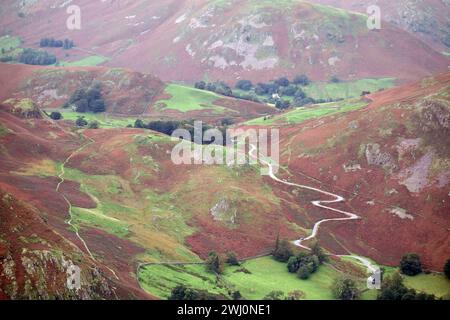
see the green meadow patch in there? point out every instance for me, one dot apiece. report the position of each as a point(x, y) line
point(85, 62)
point(187, 99)
point(300, 115)
point(254, 279)
point(105, 120)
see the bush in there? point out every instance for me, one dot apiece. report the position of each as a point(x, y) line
point(275, 295)
point(245, 85)
point(90, 100)
point(182, 292)
point(81, 121)
point(55, 115)
point(290, 91)
point(94, 125)
point(345, 289)
point(410, 264)
point(302, 80)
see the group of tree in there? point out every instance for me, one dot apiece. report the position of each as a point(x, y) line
point(82, 122)
point(219, 87)
point(52, 43)
point(36, 57)
point(169, 126)
point(280, 295)
point(182, 292)
point(393, 288)
point(303, 263)
point(89, 100)
point(216, 263)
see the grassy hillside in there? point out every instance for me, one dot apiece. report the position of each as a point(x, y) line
point(186, 99)
point(300, 115)
point(254, 279)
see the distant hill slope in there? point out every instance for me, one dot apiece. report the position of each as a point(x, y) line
point(390, 159)
point(126, 93)
point(227, 39)
point(426, 19)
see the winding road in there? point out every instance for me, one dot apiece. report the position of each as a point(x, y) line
point(321, 204)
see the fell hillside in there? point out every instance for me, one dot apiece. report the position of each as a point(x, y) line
point(112, 198)
point(226, 40)
point(389, 158)
point(427, 20)
point(128, 95)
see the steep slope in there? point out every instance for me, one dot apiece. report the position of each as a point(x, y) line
point(227, 40)
point(390, 160)
point(426, 19)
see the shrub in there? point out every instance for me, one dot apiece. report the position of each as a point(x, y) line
point(275, 295)
point(94, 124)
point(282, 104)
point(335, 79)
point(81, 121)
point(410, 264)
point(303, 272)
point(36, 57)
point(200, 85)
point(55, 115)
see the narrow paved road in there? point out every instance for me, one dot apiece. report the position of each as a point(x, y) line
point(321, 204)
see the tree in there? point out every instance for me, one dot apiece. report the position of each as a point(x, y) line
point(97, 106)
point(335, 79)
point(81, 121)
point(236, 295)
point(293, 264)
point(245, 85)
point(447, 269)
point(290, 91)
point(139, 124)
point(282, 82)
point(282, 104)
point(55, 115)
point(200, 85)
point(317, 250)
point(215, 263)
point(82, 105)
point(304, 272)
point(283, 251)
point(345, 289)
point(302, 80)
point(410, 264)
point(232, 260)
point(274, 295)
point(93, 124)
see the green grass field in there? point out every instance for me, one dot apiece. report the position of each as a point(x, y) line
point(300, 115)
point(265, 275)
point(347, 89)
point(105, 120)
point(186, 99)
point(85, 62)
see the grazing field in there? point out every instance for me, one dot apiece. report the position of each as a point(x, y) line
point(347, 89)
point(300, 115)
point(85, 62)
point(432, 283)
point(105, 120)
point(186, 99)
point(254, 279)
